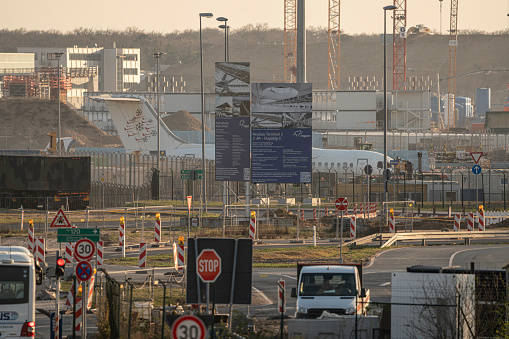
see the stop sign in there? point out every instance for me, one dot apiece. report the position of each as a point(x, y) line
point(208, 265)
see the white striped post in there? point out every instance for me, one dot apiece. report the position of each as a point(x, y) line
point(180, 253)
point(90, 291)
point(142, 255)
point(157, 228)
point(314, 213)
point(78, 315)
point(302, 214)
point(326, 211)
point(361, 210)
point(281, 302)
point(355, 210)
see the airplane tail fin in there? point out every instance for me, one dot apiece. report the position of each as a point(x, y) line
point(136, 122)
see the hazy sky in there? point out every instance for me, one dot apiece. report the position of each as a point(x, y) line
point(357, 16)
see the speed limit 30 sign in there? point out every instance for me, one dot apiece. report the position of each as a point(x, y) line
point(84, 250)
point(189, 327)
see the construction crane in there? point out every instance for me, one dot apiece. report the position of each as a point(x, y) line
point(334, 40)
point(290, 40)
point(451, 81)
point(399, 46)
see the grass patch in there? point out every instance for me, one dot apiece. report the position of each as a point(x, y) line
point(273, 257)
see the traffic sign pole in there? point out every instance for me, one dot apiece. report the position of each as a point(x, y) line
point(341, 241)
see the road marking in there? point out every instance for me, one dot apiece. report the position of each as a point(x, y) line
point(284, 275)
point(263, 295)
point(469, 249)
point(385, 284)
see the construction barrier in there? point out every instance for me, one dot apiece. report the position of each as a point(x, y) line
point(481, 221)
point(99, 254)
point(70, 296)
point(121, 232)
point(361, 210)
point(301, 214)
point(179, 261)
point(39, 250)
point(157, 229)
point(326, 211)
point(392, 224)
point(353, 228)
point(281, 302)
point(252, 226)
point(354, 210)
point(142, 255)
point(314, 213)
point(78, 314)
point(457, 219)
point(69, 247)
point(31, 244)
point(470, 222)
point(90, 291)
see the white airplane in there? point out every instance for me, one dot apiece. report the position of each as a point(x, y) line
point(136, 122)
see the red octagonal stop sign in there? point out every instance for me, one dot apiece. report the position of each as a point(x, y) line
point(208, 265)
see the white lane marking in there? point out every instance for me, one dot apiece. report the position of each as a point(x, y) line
point(379, 254)
point(284, 275)
point(385, 284)
point(263, 295)
point(469, 249)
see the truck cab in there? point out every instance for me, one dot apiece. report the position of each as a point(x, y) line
point(335, 288)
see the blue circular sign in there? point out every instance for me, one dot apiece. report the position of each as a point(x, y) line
point(476, 169)
point(83, 270)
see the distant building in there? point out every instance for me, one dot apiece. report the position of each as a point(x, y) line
point(15, 64)
point(90, 69)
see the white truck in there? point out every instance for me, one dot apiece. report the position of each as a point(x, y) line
point(19, 274)
point(332, 287)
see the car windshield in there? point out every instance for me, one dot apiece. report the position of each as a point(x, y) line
point(322, 284)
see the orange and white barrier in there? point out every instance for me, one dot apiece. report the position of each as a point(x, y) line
point(142, 255)
point(99, 254)
point(252, 227)
point(69, 247)
point(70, 296)
point(281, 302)
point(481, 221)
point(355, 210)
point(326, 211)
point(39, 250)
point(470, 222)
point(457, 220)
point(353, 228)
point(314, 213)
point(361, 210)
point(157, 228)
point(392, 224)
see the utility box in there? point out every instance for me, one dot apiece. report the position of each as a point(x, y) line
point(432, 305)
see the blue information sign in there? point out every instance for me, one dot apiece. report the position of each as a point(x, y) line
point(281, 133)
point(476, 169)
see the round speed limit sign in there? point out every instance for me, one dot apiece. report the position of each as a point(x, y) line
point(84, 250)
point(189, 327)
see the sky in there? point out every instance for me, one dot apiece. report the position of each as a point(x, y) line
point(357, 16)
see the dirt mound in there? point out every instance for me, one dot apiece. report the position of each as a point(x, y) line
point(183, 121)
point(27, 121)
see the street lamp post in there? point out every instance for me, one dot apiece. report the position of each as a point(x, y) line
point(386, 176)
point(158, 56)
point(225, 27)
point(59, 148)
point(204, 186)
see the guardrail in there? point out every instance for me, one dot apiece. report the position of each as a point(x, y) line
point(437, 236)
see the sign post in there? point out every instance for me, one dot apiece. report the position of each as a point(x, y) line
point(341, 205)
point(189, 204)
point(208, 268)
